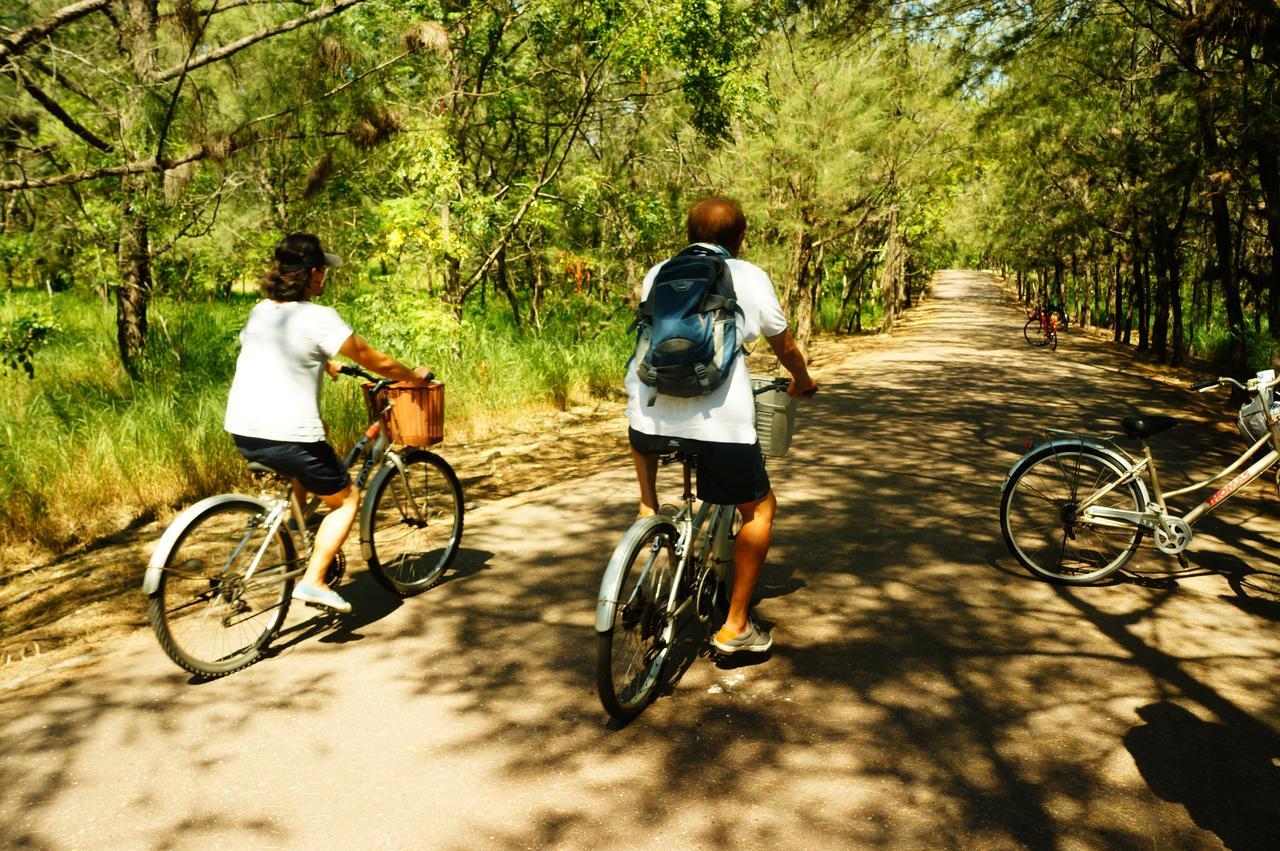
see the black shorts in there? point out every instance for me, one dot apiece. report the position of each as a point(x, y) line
point(728, 473)
point(315, 465)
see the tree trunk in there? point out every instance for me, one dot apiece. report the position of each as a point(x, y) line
point(1118, 315)
point(1220, 215)
point(504, 284)
point(800, 274)
point(134, 260)
point(133, 256)
point(888, 274)
point(1269, 179)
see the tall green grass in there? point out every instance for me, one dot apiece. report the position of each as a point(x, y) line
point(84, 449)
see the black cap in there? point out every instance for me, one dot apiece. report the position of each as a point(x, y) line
point(299, 251)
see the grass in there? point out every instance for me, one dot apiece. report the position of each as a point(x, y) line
point(84, 450)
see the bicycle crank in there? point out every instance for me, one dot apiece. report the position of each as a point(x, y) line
point(1174, 537)
point(704, 596)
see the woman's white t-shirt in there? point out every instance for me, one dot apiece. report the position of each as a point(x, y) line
point(284, 346)
point(727, 415)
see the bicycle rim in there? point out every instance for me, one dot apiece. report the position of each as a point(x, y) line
point(1042, 525)
point(632, 652)
point(208, 618)
point(414, 523)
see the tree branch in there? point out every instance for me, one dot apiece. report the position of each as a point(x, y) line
point(17, 42)
point(236, 46)
point(51, 106)
point(138, 167)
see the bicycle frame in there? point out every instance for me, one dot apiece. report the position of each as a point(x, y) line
point(1156, 516)
point(715, 543)
point(279, 507)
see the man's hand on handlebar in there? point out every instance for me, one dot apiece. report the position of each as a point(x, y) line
point(796, 390)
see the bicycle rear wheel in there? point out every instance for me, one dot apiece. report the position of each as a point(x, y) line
point(1032, 332)
point(1051, 340)
point(631, 652)
point(412, 523)
point(1043, 526)
point(209, 618)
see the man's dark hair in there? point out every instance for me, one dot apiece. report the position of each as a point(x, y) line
point(290, 275)
point(718, 220)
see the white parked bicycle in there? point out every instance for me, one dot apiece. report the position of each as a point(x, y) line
point(1075, 509)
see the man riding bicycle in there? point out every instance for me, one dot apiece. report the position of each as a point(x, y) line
point(720, 427)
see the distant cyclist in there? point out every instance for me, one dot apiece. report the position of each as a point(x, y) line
point(273, 410)
point(720, 427)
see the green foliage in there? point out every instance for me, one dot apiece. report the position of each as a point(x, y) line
point(21, 338)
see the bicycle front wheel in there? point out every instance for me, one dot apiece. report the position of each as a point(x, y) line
point(210, 615)
point(1044, 527)
point(412, 523)
point(1033, 333)
point(631, 652)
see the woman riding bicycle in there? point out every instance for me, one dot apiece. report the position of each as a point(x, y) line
point(273, 409)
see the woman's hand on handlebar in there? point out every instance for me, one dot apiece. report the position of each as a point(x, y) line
point(422, 374)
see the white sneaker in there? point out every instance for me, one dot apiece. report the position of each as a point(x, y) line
point(324, 598)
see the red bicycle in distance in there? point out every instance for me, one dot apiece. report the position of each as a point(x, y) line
point(1043, 324)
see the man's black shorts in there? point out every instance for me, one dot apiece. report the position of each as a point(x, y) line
point(315, 465)
point(728, 473)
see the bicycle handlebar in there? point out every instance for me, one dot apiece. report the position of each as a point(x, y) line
point(1253, 385)
point(353, 370)
point(781, 384)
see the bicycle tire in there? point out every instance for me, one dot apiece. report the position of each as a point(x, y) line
point(1036, 339)
point(631, 653)
point(208, 620)
point(1038, 520)
point(1051, 339)
point(412, 523)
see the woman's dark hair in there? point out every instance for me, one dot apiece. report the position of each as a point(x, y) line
point(290, 275)
point(286, 286)
point(719, 221)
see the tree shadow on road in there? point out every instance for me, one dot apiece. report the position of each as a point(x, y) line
point(1226, 776)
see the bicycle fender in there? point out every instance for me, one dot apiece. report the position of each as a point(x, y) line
point(606, 604)
point(168, 540)
point(1115, 454)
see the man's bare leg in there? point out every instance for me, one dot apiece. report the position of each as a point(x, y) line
point(748, 558)
point(647, 476)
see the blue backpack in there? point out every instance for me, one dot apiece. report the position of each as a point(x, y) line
point(687, 326)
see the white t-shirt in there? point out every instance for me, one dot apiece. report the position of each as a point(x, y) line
point(284, 346)
point(728, 414)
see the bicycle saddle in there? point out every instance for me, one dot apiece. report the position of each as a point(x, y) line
point(1144, 426)
point(263, 469)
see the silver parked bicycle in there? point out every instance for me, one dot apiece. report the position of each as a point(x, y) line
point(1075, 509)
point(220, 580)
point(670, 567)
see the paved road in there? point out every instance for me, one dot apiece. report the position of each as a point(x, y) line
point(923, 692)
